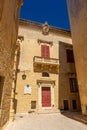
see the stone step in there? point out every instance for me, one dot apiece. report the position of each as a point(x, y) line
point(48, 111)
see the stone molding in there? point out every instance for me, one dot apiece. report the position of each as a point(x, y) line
point(43, 41)
point(44, 80)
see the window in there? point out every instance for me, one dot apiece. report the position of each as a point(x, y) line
point(73, 85)
point(45, 51)
point(45, 74)
point(33, 104)
point(66, 106)
point(74, 104)
point(70, 56)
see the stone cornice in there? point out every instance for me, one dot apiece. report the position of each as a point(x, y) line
point(43, 41)
point(44, 80)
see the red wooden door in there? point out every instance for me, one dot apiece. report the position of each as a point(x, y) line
point(46, 97)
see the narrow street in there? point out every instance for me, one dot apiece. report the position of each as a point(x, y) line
point(45, 121)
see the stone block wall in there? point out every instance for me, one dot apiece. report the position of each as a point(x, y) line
point(8, 35)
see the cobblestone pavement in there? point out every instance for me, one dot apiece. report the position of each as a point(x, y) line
point(45, 122)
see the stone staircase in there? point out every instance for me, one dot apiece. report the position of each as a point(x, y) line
point(48, 111)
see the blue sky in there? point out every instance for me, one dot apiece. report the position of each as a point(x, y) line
point(52, 11)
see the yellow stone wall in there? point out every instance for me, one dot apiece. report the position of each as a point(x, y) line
point(78, 20)
point(29, 48)
point(9, 10)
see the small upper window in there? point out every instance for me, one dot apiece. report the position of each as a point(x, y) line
point(73, 85)
point(45, 74)
point(70, 56)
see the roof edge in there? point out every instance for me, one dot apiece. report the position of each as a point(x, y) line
point(39, 25)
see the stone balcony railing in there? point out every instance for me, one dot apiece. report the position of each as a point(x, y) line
point(45, 64)
point(45, 60)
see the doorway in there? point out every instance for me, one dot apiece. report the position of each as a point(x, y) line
point(66, 105)
point(46, 97)
point(74, 105)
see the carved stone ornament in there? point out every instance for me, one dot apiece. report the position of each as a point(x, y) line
point(45, 29)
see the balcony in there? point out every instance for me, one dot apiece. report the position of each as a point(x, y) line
point(41, 64)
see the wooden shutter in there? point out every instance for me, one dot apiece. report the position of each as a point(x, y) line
point(42, 50)
point(45, 51)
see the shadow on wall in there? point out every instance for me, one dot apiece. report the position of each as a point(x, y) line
point(2, 79)
point(15, 105)
point(63, 76)
point(18, 60)
point(66, 71)
point(17, 70)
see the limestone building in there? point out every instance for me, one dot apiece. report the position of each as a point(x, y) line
point(78, 20)
point(9, 11)
point(46, 76)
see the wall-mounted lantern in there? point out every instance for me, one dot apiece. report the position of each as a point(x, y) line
point(24, 76)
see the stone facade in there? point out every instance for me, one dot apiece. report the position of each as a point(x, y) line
point(9, 11)
point(67, 72)
point(37, 74)
point(78, 20)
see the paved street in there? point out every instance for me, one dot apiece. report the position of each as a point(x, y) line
point(45, 122)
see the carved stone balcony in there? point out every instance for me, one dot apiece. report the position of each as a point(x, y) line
point(41, 64)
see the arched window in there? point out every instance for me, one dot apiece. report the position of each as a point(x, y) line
point(45, 74)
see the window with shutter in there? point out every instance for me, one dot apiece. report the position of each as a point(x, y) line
point(45, 51)
point(73, 85)
point(42, 50)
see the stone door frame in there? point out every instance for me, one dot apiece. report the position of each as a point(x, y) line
point(40, 95)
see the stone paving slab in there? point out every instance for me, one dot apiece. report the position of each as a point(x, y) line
point(45, 122)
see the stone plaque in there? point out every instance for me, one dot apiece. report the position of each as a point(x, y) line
point(27, 89)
